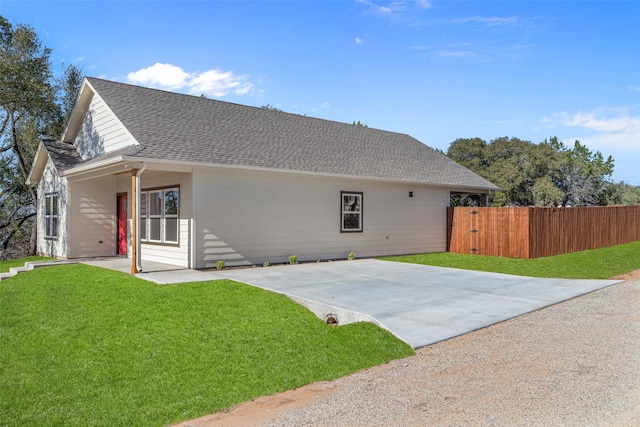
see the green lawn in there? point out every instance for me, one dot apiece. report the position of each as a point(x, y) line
point(594, 264)
point(7, 264)
point(84, 346)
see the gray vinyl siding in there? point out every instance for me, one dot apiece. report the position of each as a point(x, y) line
point(51, 182)
point(92, 225)
point(101, 131)
point(246, 217)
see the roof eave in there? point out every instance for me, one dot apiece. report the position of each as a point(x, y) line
point(474, 189)
point(78, 112)
point(38, 165)
point(151, 161)
point(95, 166)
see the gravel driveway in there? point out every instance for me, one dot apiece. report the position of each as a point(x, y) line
point(576, 363)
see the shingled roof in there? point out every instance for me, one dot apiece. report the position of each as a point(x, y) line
point(64, 156)
point(183, 128)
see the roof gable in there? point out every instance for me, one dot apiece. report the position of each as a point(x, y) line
point(183, 128)
point(63, 156)
point(93, 128)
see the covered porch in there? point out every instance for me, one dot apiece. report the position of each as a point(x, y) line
point(136, 211)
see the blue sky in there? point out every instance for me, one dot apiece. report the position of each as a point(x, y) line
point(437, 70)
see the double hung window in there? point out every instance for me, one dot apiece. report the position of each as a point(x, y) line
point(351, 211)
point(51, 216)
point(159, 210)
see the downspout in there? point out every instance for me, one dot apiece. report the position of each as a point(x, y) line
point(137, 218)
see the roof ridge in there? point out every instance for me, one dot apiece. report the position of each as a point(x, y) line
point(261, 109)
point(173, 126)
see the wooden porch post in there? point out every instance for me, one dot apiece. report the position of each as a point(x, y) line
point(134, 223)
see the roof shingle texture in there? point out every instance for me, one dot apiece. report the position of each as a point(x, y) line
point(64, 156)
point(177, 127)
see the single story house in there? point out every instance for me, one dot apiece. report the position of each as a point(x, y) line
point(185, 180)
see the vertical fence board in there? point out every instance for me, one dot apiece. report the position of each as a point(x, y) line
point(538, 232)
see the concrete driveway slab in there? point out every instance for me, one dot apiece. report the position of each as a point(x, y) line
point(419, 304)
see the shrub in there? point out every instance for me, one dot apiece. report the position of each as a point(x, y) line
point(265, 264)
point(293, 259)
point(220, 265)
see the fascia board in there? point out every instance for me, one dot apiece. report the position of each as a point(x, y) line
point(77, 113)
point(152, 161)
point(38, 165)
point(92, 166)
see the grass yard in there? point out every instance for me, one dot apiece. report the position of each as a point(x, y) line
point(81, 345)
point(594, 264)
point(7, 264)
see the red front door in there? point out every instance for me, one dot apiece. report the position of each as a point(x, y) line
point(122, 224)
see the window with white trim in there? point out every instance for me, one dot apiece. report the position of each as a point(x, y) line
point(159, 209)
point(51, 216)
point(351, 211)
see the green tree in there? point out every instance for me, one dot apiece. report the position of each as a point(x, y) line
point(546, 194)
point(508, 160)
point(470, 153)
point(545, 174)
point(513, 164)
point(272, 108)
point(68, 88)
point(585, 176)
point(30, 108)
point(625, 194)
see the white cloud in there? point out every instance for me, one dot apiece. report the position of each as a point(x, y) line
point(165, 76)
point(606, 129)
point(493, 21)
point(590, 120)
point(394, 7)
point(212, 82)
point(359, 40)
point(218, 83)
point(457, 53)
point(486, 51)
point(324, 105)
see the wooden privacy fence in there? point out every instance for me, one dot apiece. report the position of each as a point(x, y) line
point(539, 232)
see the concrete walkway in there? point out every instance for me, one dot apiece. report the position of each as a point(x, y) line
point(32, 265)
point(419, 304)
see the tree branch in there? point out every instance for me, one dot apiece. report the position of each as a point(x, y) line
point(21, 162)
point(10, 221)
point(5, 242)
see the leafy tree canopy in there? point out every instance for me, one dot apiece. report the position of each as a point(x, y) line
point(33, 104)
point(544, 174)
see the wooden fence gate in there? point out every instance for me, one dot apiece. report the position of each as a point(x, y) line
point(537, 232)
